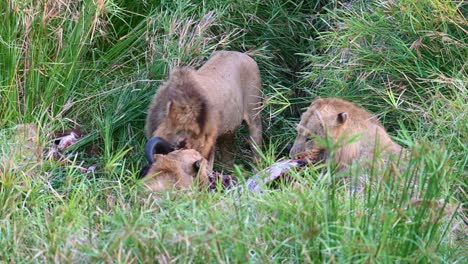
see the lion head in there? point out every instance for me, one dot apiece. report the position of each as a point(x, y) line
point(354, 133)
point(322, 119)
point(181, 114)
point(178, 169)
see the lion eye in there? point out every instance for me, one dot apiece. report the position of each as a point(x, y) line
point(308, 139)
point(320, 130)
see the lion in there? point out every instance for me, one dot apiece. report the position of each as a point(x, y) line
point(357, 135)
point(196, 109)
point(179, 169)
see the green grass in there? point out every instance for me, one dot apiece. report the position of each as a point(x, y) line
point(96, 64)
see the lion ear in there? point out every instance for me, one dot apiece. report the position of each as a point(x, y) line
point(173, 110)
point(169, 108)
point(176, 110)
point(342, 117)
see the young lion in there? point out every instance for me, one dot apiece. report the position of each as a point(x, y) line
point(195, 108)
point(356, 133)
point(179, 169)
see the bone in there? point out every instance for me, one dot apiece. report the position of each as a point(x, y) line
point(259, 180)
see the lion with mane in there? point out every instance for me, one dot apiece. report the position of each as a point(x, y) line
point(196, 109)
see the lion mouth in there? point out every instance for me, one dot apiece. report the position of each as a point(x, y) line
point(313, 156)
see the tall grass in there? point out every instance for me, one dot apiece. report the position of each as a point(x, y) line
point(44, 49)
point(403, 55)
point(96, 64)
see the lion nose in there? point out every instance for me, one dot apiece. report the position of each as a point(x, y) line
point(293, 151)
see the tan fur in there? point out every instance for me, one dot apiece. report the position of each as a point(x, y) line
point(342, 121)
point(194, 108)
point(176, 170)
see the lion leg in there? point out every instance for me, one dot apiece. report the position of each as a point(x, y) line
point(254, 122)
point(211, 161)
point(226, 146)
point(207, 147)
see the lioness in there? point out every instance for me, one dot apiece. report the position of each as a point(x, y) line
point(179, 169)
point(195, 108)
point(356, 133)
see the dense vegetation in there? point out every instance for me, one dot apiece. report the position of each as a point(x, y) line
point(95, 64)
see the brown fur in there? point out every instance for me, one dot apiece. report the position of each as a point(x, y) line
point(179, 170)
point(342, 121)
point(196, 107)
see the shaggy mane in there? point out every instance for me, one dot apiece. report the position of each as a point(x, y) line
point(183, 90)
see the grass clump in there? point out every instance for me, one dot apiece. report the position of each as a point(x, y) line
point(96, 64)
